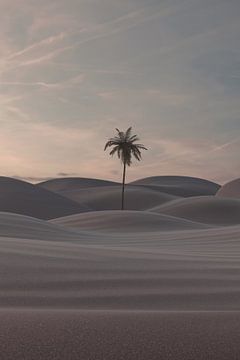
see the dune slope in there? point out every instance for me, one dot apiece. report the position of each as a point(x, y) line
point(109, 198)
point(230, 190)
point(23, 198)
point(205, 209)
point(74, 183)
point(184, 186)
point(175, 270)
point(25, 227)
point(126, 221)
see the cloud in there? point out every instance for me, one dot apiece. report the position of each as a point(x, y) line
point(112, 27)
point(42, 43)
point(76, 80)
point(226, 145)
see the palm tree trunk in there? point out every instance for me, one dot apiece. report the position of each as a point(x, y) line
point(123, 184)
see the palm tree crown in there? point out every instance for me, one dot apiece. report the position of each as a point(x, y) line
point(124, 144)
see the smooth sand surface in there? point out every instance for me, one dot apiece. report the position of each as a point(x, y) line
point(118, 221)
point(121, 285)
point(20, 197)
point(204, 209)
point(230, 190)
point(74, 183)
point(109, 197)
point(184, 186)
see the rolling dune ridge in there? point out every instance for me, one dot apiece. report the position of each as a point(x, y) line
point(20, 197)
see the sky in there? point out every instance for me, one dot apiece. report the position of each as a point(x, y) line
point(71, 71)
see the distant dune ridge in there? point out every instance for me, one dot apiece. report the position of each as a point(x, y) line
point(20, 197)
point(184, 186)
point(74, 183)
point(204, 209)
point(82, 280)
point(109, 197)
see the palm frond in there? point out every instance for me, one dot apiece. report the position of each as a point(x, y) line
point(112, 142)
point(136, 153)
point(128, 133)
point(140, 146)
point(108, 144)
point(121, 135)
point(125, 147)
point(134, 138)
point(112, 152)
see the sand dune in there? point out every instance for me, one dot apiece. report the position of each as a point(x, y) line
point(184, 186)
point(25, 227)
point(205, 209)
point(119, 285)
point(125, 221)
point(230, 190)
point(176, 271)
point(74, 183)
point(23, 198)
point(109, 198)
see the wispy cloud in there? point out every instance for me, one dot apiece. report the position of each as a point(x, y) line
point(76, 80)
point(47, 41)
point(226, 145)
point(119, 24)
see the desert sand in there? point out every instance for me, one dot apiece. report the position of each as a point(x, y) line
point(160, 280)
point(109, 198)
point(23, 198)
point(231, 189)
point(184, 186)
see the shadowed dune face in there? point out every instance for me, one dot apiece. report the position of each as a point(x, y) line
point(100, 195)
point(206, 209)
point(74, 183)
point(126, 221)
point(230, 190)
point(183, 186)
point(109, 198)
point(20, 197)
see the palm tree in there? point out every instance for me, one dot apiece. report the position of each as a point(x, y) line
point(124, 144)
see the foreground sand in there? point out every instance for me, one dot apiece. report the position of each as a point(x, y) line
point(105, 335)
point(91, 295)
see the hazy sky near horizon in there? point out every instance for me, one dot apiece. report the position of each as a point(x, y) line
point(73, 70)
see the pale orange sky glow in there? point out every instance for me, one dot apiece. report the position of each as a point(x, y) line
point(72, 71)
